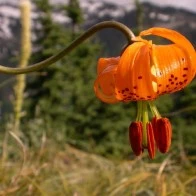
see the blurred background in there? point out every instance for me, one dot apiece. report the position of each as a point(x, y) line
point(66, 134)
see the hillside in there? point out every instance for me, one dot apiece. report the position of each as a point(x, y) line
point(169, 17)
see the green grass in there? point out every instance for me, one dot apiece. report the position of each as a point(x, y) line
point(54, 170)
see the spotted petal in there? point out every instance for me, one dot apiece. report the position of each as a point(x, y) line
point(181, 55)
point(134, 80)
point(171, 67)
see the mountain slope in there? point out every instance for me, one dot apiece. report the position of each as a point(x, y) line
point(96, 11)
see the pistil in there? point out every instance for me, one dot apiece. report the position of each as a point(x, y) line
point(145, 120)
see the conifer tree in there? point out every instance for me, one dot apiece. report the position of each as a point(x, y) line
point(49, 41)
point(63, 93)
point(184, 108)
point(139, 16)
point(75, 14)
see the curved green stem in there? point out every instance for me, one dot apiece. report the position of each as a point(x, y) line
point(35, 67)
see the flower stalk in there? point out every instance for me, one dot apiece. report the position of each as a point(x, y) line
point(25, 9)
point(90, 32)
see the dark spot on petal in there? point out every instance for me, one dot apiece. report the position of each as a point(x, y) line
point(185, 81)
point(139, 77)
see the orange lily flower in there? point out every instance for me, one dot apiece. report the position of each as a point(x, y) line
point(142, 73)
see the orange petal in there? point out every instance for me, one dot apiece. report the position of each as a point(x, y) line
point(171, 35)
point(142, 79)
point(122, 78)
point(103, 97)
point(133, 76)
point(171, 67)
point(105, 62)
point(179, 40)
point(104, 84)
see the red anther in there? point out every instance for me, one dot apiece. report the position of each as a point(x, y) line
point(135, 137)
point(164, 134)
point(150, 140)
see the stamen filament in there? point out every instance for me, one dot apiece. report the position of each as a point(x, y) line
point(154, 109)
point(139, 111)
point(144, 121)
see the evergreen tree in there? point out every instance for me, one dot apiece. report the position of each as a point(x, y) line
point(62, 95)
point(75, 14)
point(139, 16)
point(51, 38)
point(185, 108)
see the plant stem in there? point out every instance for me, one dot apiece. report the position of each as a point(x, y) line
point(145, 120)
point(139, 111)
point(25, 9)
point(91, 31)
point(154, 109)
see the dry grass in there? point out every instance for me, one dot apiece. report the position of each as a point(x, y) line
point(54, 171)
